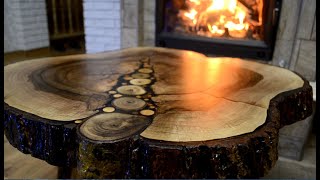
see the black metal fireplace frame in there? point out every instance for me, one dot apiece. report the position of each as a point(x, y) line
point(262, 50)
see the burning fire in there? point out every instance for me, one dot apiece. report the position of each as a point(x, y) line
point(192, 14)
point(216, 17)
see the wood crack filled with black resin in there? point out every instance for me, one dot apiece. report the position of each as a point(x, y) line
point(152, 113)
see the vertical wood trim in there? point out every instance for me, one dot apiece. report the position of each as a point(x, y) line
point(65, 18)
point(70, 16)
point(76, 14)
point(54, 15)
point(62, 11)
point(81, 24)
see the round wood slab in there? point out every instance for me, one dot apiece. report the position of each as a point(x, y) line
point(152, 113)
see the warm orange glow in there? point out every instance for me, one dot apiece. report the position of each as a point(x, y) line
point(197, 2)
point(232, 26)
point(215, 30)
point(219, 15)
point(222, 19)
point(217, 5)
point(191, 15)
point(204, 73)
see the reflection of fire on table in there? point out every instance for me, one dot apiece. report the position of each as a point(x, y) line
point(215, 18)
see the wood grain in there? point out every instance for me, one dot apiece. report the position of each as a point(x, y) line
point(201, 100)
point(113, 126)
point(69, 87)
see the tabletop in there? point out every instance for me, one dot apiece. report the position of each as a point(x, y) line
point(152, 113)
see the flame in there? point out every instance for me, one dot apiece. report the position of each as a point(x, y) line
point(222, 19)
point(191, 15)
point(217, 5)
point(197, 2)
point(229, 14)
point(240, 15)
point(231, 6)
point(215, 30)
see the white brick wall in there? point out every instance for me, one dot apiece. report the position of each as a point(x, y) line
point(34, 23)
point(102, 25)
point(13, 34)
point(25, 25)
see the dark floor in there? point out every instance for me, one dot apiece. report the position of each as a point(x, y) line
point(10, 58)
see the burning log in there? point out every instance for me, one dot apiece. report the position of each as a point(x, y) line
point(195, 117)
point(253, 22)
point(244, 7)
point(238, 33)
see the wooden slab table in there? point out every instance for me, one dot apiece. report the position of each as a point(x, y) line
point(152, 113)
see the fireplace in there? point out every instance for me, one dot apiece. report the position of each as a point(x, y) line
point(235, 28)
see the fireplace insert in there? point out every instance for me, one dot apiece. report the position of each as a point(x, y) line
point(235, 28)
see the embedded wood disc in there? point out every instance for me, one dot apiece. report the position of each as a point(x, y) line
point(112, 92)
point(145, 70)
point(140, 81)
point(117, 95)
point(128, 103)
point(131, 90)
point(113, 126)
point(140, 76)
point(78, 121)
point(108, 109)
point(147, 112)
point(128, 78)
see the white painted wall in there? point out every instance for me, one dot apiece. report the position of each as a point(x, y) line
point(102, 25)
point(25, 25)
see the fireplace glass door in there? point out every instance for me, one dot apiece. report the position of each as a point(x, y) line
point(247, 28)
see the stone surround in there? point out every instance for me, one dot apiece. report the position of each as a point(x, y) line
point(138, 23)
point(296, 39)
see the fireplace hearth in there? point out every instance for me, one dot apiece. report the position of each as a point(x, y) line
point(235, 28)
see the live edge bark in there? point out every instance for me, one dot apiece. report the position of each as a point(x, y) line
point(51, 141)
point(244, 156)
